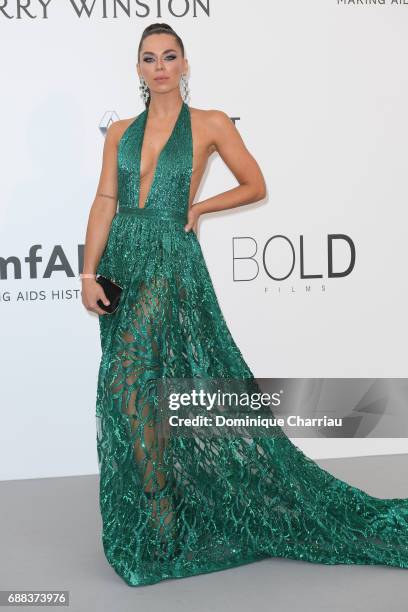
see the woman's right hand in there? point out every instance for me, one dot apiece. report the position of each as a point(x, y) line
point(91, 293)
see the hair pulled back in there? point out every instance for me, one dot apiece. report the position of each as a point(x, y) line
point(159, 28)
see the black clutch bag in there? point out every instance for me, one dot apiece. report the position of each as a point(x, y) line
point(112, 291)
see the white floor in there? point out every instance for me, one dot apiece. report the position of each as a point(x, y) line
point(50, 539)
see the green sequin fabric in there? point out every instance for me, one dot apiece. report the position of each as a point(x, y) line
point(191, 505)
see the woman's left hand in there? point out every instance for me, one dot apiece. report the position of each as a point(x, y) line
point(192, 218)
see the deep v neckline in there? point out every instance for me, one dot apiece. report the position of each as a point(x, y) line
point(166, 144)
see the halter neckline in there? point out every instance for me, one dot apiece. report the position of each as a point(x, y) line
point(145, 115)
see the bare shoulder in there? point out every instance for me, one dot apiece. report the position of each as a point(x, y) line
point(209, 123)
point(209, 116)
point(116, 129)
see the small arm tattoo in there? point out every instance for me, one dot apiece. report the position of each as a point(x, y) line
point(105, 195)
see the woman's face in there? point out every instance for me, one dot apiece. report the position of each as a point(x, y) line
point(161, 62)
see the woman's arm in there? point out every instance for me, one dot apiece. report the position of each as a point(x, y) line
point(226, 139)
point(103, 208)
point(100, 218)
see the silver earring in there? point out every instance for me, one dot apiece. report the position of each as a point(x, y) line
point(144, 90)
point(184, 88)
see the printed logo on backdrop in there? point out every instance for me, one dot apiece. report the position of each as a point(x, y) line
point(371, 3)
point(42, 264)
point(106, 9)
point(35, 10)
point(280, 258)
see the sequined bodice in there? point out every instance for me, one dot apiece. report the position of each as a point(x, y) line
point(170, 187)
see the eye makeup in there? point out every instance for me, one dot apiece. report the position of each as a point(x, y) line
point(148, 58)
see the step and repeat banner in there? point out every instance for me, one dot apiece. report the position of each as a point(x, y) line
point(311, 280)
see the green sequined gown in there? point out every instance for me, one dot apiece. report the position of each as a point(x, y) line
point(191, 506)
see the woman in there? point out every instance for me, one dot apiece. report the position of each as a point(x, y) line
point(174, 506)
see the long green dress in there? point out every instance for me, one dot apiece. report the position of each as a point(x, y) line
point(198, 504)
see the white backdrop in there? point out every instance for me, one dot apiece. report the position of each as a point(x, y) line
point(320, 93)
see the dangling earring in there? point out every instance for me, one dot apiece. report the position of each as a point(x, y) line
point(184, 88)
point(144, 90)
